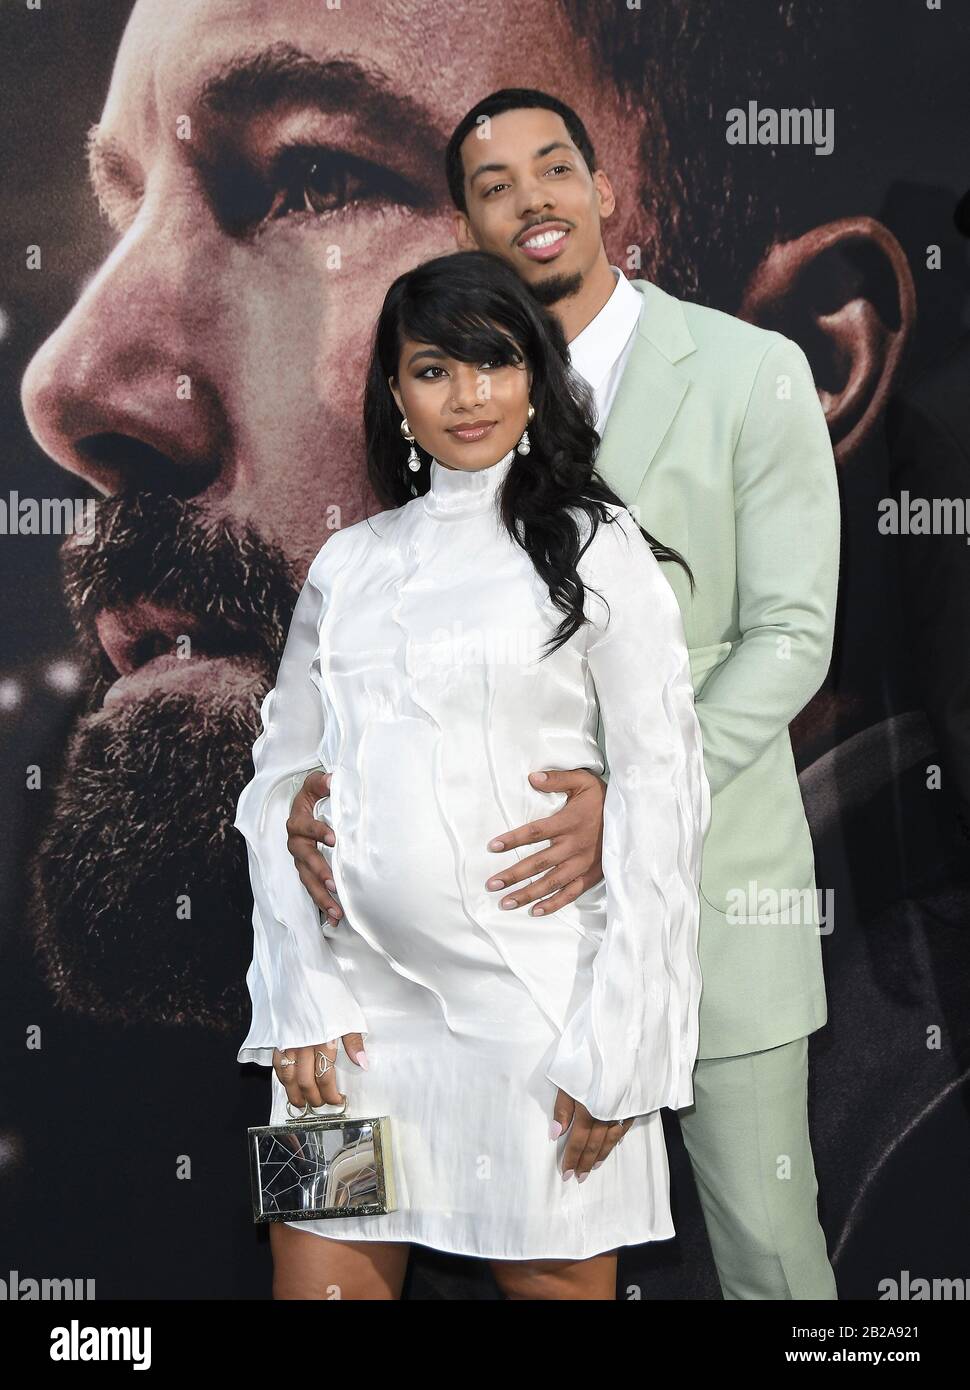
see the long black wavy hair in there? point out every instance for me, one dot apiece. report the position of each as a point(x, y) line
point(473, 306)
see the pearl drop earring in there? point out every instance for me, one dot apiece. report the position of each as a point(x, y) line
point(524, 445)
point(414, 463)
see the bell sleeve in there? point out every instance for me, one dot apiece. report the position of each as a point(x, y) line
point(630, 1046)
point(299, 995)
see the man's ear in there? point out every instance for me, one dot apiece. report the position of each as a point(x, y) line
point(464, 239)
point(604, 194)
point(844, 292)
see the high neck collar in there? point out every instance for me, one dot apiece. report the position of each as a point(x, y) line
point(461, 492)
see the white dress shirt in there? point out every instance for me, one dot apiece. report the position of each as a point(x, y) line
point(599, 352)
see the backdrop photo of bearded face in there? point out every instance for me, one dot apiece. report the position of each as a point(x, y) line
point(266, 172)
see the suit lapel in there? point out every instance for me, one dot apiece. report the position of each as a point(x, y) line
point(649, 394)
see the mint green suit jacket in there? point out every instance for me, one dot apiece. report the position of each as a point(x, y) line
point(717, 442)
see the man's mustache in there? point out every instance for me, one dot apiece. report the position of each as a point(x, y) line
point(160, 565)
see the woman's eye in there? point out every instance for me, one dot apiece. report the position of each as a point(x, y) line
point(489, 365)
point(497, 364)
point(315, 180)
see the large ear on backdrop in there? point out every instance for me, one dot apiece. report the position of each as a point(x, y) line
point(844, 292)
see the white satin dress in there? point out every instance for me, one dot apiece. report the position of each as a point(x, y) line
point(410, 671)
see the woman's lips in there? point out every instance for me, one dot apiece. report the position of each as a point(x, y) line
point(470, 434)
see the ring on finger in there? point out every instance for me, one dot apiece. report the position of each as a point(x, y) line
point(327, 1064)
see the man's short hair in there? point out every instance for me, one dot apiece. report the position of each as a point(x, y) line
point(510, 99)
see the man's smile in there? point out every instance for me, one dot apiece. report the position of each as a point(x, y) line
point(544, 242)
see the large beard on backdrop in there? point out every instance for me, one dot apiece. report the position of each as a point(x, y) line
point(140, 899)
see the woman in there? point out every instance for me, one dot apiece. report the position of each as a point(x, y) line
point(438, 652)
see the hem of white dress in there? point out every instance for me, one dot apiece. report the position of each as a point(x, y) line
point(544, 1254)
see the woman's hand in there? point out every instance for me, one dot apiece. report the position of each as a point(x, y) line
point(303, 833)
point(590, 1140)
point(303, 1081)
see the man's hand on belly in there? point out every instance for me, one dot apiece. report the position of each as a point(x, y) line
point(302, 836)
point(572, 863)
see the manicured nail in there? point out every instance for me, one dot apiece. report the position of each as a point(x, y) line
point(361, 1059)
point(330, 886)
point(496, 844)
point(567, 1175)
point(508, 902)
point(582, 1177)
point(536, 911)
point(598, 1164)
point(540, 776)
point(495, 883)
point(555, 1129)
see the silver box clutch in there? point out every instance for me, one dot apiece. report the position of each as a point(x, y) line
point(321, 1165)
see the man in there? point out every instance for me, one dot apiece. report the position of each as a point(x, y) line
point(712, 430)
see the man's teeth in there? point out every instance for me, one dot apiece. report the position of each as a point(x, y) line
point(544, 239)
